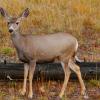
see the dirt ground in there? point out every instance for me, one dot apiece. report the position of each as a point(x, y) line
point(47, 91)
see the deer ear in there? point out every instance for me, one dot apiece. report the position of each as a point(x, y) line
point(25, 13)
point(3, 13)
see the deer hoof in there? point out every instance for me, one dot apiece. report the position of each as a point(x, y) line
point(22, 92)
point(30, 96)
point(85, 95)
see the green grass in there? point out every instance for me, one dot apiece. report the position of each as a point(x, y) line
point(7, 51)
point(95, 82)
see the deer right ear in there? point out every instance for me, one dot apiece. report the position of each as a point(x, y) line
point(3, 13)
point(25, 13)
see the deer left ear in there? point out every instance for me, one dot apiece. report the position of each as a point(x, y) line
point(25, 13)
point(4, 13)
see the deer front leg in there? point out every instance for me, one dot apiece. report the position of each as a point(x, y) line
point(31, 73)
point(26, 68)
point(67, 73)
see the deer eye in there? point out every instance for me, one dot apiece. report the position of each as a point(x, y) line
point(17, 23)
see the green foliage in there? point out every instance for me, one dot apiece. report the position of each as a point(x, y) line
point(95, 82)
point(7, 51)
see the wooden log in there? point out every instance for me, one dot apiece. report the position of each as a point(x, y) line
point(48, 71)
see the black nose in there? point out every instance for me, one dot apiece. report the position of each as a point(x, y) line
point(10, 30)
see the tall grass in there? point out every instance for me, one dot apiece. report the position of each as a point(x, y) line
point(49, 16)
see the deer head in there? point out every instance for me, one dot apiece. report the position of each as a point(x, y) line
point(14, 22)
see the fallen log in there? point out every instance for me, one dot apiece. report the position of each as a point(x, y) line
point(48, 71)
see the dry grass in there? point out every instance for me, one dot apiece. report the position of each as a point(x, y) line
point(79, 17)
point(10, 91)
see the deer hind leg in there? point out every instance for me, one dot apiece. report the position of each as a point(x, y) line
point(76, 69)
point(67, 75)
point(26, 68)
point(31, 73)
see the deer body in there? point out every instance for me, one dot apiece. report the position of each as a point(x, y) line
point(44, 47)
point(41, 48)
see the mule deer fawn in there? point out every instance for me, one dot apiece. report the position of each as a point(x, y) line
point(40, 48)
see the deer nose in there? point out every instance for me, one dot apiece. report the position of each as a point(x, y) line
point(10, 30)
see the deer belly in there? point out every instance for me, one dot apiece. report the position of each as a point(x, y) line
point(46, 57)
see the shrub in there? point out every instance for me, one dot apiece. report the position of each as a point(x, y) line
point(7, 51)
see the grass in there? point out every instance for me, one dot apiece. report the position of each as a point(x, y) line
point(10, 90)
point(7, 51)
point(94, 82)
point(78, 17)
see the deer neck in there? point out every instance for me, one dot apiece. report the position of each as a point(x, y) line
point(16, 34)
point(16, 39)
